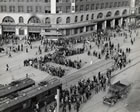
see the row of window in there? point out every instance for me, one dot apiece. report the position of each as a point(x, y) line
point(62, 9)
point(34, 19)
point(79, 30)
point(100, 6)
point(29, 9)
point(46, 1)
point(87, 7)
point(20, 0)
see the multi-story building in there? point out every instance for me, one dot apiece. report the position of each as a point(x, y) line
point(53, 18)
point(137, 12)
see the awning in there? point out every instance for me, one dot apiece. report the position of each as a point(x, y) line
point(52, 38)
point(8, 28)
point(50, 33)
point(34, 29)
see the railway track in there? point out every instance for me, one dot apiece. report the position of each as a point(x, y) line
point(101, 64)
point(129, 66)
point(90, 69)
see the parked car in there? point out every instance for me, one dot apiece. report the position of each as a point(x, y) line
point(110, 100)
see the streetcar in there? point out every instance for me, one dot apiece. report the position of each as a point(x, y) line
point(15, 86)
point(26, 100)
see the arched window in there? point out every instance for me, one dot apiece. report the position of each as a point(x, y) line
point(92, 16)
point(87, 17)
point(68, 20)
point(58, 20)
point(8, 19)
point(124, 12)
point(21, 20)
point(76, 19)
point(34, 19)
point(82, 17)
point(108, 14)
point(117, 13)
point(100, 15)
point(47, 20)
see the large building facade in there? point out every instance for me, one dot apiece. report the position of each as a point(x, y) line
point(66, 18)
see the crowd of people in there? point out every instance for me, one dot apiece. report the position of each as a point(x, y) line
point(76, 95)
point(42, 63)
point(67, 62)
point(52, 70)
point(73, 97)
point(70, 52)
point(108, 49)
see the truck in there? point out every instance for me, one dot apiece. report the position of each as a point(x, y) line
point(117, 92)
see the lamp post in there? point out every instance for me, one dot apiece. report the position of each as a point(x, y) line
point(57, 97)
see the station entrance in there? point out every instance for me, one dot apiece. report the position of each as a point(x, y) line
point(108, 24)
point(116, 22)
point(34, 33)
point(100, 25)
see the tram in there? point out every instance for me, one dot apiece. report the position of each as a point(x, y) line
point(25, 100)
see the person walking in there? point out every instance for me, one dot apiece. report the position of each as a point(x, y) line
point(7, 67)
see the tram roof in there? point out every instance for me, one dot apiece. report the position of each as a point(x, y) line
point(28, 93)
point(15, 86)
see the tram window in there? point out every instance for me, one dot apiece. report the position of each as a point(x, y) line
point(17, 109)
point(48, 93)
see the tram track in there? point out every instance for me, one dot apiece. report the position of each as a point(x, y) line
point(128, 67)
point(79, 74)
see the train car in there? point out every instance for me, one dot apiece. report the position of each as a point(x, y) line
point(15, 86)
point(27, 99)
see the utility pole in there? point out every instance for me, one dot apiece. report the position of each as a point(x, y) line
point(57, 97)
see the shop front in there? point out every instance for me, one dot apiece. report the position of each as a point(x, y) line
point(34, 33)
point(8, 30)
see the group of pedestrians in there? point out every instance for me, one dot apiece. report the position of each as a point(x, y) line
point(70, 51)
point(68, 62)
point(42, 63)
point(73, 97)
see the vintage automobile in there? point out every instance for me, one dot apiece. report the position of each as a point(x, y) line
point(110, 100)
point(116, 92)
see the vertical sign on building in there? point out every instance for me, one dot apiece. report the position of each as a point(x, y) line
point(132, 11)
point(26, 31)
point(0, 30)
point(73, 6)
point(53, 6)
point(132, 6)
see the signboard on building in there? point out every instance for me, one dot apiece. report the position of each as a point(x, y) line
point(72, 6)
point(8, 28)
point(34, 29)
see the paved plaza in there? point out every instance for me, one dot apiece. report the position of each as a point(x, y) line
point(94, 104)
